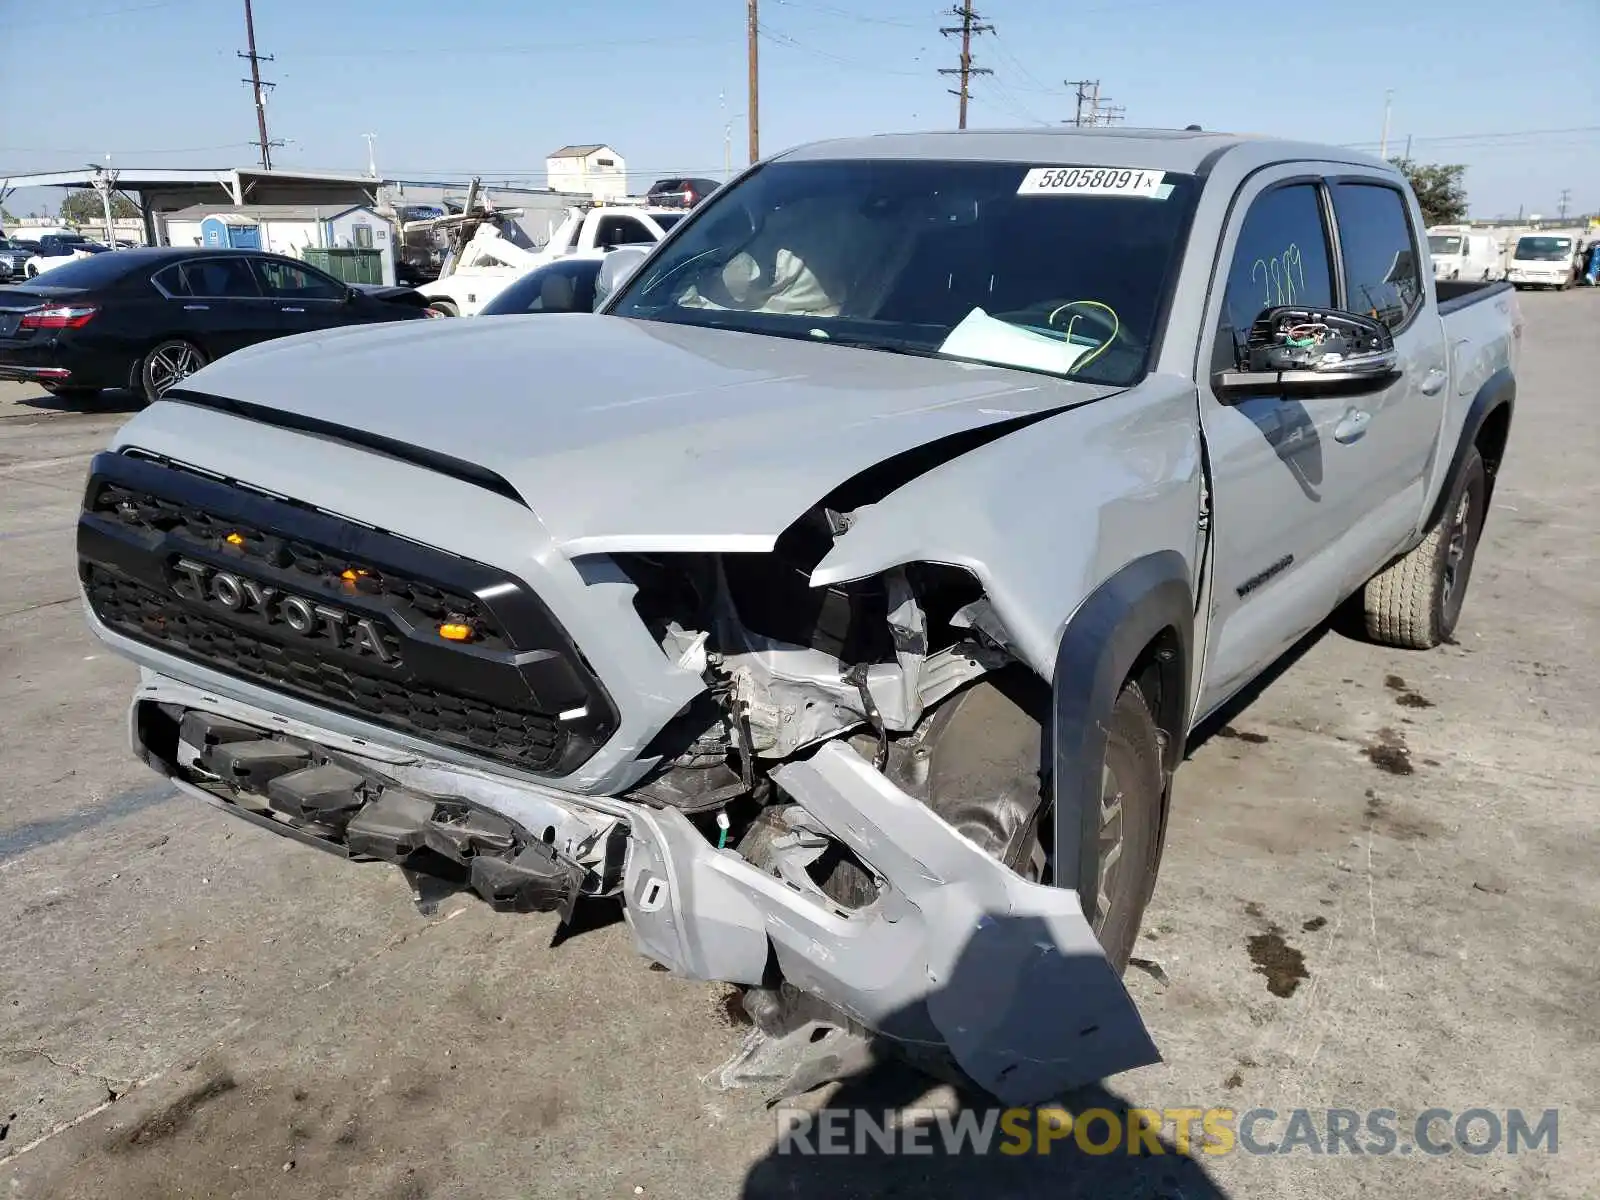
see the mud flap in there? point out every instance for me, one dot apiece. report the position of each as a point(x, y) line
point(1013, 979)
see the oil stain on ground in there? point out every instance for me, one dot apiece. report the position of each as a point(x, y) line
point(1407, 697)
point(174, 1117)
point(1242, 735)
point(1281, 963)
point(1389, 751)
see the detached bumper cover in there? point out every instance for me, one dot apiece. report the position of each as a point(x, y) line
point(955, 951)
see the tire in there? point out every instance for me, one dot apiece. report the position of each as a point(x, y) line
point(445, 308)
point(168, 364)
point(1415, 603)
point(988, 775)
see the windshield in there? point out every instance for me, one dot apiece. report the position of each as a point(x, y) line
point(1060, 270)
point(1546, 248)
point(1443, 246)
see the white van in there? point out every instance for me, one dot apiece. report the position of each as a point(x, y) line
point(1461, 253)
point(1544, 260)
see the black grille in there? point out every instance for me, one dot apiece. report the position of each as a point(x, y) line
point(157, 544)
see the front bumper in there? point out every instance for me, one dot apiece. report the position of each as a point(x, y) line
point(956, 950)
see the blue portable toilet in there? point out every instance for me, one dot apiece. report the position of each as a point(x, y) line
point(233, 232)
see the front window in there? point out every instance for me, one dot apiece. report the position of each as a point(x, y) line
point(1443, 246)
point(1060, 270)
point(287, 281)
point(1544, 249)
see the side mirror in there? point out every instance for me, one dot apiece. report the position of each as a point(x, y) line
point(618, 268)
point(1311, 352)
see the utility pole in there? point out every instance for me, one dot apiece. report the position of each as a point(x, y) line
point(105, 182)
point(372, 161)
point(970, 24)
point(753, 109)
point(1566, 198)
point(256, 85)
point(1383, 144)
point(1093, 108)
point(1088, 90)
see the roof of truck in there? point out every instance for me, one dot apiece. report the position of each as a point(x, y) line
point(1181, 150)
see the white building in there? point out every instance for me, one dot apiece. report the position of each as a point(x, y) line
point(286, 229)
point(594, 170)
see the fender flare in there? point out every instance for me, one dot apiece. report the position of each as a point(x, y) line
point(1099, 647)
point(1498, 391)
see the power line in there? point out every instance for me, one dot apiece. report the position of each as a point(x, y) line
point(970, 25)
point(846, 14)
point(778, 38)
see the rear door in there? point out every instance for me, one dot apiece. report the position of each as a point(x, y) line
point(213, 302)
point(1304, 488)
point(1379, 250)
point(302, 299)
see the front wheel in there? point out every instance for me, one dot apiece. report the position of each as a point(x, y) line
point(168, 365)
point(444, 308)
point(989, 776)
point(1416, 602)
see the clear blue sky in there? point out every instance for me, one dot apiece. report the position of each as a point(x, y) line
point(492, 86)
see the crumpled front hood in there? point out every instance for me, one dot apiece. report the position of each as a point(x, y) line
point(624, 434)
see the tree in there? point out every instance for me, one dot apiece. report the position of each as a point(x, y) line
point(1441, 190)
point(83, 207)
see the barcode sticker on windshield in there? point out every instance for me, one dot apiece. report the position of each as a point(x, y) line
point(1092, 181)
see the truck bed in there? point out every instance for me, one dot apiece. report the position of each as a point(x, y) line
point(1456, 294)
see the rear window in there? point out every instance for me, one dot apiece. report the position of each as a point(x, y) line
point(666, 220)
point(94, 272)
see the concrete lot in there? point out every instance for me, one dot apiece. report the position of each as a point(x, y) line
point(189, 1007)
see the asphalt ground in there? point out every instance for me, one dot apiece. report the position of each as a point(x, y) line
point(1379, 893)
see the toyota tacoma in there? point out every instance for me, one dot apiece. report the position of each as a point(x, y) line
point(842, 594)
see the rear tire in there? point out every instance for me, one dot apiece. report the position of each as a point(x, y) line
point(444, 308)
point(1416, 602)
point(168, 365)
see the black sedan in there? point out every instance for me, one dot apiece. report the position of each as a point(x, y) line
point(147, 318)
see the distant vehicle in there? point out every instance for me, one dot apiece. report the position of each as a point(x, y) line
point(1543, 260)
point(491, 261)
point(680, 193)
point(566, 285)
point(16, 252)
point(146, 319)
point(1460, 253)
point(57, 249)
point(5, 270)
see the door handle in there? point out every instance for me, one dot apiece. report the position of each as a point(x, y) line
point(1352, 427)
point(1433, 382)
point(286, 309)
point(197, 308)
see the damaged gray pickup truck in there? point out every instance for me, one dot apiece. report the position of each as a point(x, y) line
point(842, 595)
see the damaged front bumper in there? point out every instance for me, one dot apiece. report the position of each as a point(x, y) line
point(954, 951)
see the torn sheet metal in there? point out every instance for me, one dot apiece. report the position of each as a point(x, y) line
point(957, 949)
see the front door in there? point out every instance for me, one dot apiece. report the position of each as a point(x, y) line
point(1297, 479)
point(304, 299)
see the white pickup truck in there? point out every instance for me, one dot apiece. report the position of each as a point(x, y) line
point(491, 261)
